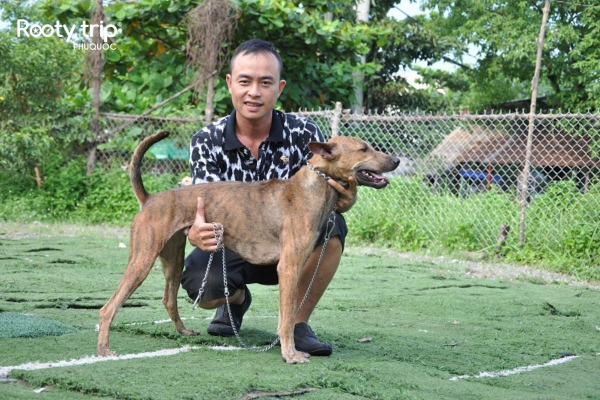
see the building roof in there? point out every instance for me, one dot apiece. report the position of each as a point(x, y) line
point(555, 149)
point(549, 148)
point(461, 146)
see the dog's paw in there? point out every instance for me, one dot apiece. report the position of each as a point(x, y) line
point(105, 352)
point(296, 357)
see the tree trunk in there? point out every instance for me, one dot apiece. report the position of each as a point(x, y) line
point(209, 110)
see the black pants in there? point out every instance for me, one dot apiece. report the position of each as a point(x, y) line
point(239, 271)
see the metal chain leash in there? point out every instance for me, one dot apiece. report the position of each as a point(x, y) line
point(328, 231)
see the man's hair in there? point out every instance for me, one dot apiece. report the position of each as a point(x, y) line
point(256, 46)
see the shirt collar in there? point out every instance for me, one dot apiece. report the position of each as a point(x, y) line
point(232, 142)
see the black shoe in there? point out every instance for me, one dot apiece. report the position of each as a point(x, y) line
point(306, 341)
point(221, 326)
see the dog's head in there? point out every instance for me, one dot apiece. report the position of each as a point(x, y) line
point(342, 157)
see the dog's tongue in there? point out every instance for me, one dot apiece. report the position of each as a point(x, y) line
point(382, 178)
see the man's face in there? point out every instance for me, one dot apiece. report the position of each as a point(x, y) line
point(255, 85)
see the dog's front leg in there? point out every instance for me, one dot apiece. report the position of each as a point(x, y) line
point(289, 274)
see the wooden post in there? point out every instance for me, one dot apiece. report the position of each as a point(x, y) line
point(534, 89)
point(335, 119)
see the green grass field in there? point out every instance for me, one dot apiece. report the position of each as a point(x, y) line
point(428, 322)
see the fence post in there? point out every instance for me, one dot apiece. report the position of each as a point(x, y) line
point(534, 88)
point(335, 119)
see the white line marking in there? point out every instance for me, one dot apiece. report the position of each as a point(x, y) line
point(32, 366)
point(164, 321)
point(518, 370)
point(160, 321)
point(227, 348)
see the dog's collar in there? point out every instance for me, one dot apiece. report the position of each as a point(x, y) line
point(321, 174)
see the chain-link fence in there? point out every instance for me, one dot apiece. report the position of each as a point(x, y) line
point(459, 180)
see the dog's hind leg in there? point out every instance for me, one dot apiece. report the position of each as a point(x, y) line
point(141, 260)
point(172, 262)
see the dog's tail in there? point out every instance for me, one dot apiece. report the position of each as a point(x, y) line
point(135, 174)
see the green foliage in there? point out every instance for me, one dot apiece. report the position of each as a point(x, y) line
point(319, 55)
point(319, 41)
point(68, 194)
point(34, 121)
point(148, 65)
point(504, 35)
point(410, 40)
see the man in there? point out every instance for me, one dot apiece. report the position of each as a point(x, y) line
point(255, 143)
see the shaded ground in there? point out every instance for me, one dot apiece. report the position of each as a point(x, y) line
point(428, 322)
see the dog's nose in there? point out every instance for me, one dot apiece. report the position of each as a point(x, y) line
point(396, 161)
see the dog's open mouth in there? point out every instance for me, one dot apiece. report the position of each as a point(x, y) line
point(371, 178)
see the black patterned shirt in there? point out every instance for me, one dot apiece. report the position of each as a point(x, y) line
point(216, 153)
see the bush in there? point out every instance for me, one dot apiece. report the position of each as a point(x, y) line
point(69, 195)
point(562, 225)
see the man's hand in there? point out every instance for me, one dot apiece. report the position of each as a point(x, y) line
point(201, 233)
point(347, 196)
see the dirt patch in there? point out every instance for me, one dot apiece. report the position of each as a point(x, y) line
point(479, 269)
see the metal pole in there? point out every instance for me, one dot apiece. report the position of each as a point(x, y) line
point(335, 119)
point(534, 89)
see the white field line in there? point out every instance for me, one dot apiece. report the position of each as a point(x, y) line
point(507, 372)
point(164, 321)
point(161, 321)
point(32, 366)
point(226, 348)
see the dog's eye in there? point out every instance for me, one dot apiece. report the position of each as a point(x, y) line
point(364, 149)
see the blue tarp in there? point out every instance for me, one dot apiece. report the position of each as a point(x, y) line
point(482, 176)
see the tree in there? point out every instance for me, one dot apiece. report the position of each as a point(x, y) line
point(319, 53)
point(34, 75)
point(411, 40)
point(505, 34)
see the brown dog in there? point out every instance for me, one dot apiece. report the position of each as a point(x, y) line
point(277, 221)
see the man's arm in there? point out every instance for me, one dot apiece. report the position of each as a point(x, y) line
point(204, 169)
point(203, 159)
point(347, 195)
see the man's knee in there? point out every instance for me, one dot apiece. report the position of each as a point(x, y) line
point(237, 297)
point(211, 304)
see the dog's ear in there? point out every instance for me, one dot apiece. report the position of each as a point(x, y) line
point(325, 150)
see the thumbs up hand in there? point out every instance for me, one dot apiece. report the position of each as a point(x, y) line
point(201, 233)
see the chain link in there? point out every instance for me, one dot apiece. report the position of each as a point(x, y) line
point(444, 157)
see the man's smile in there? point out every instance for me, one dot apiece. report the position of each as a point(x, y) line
point(253, 104)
